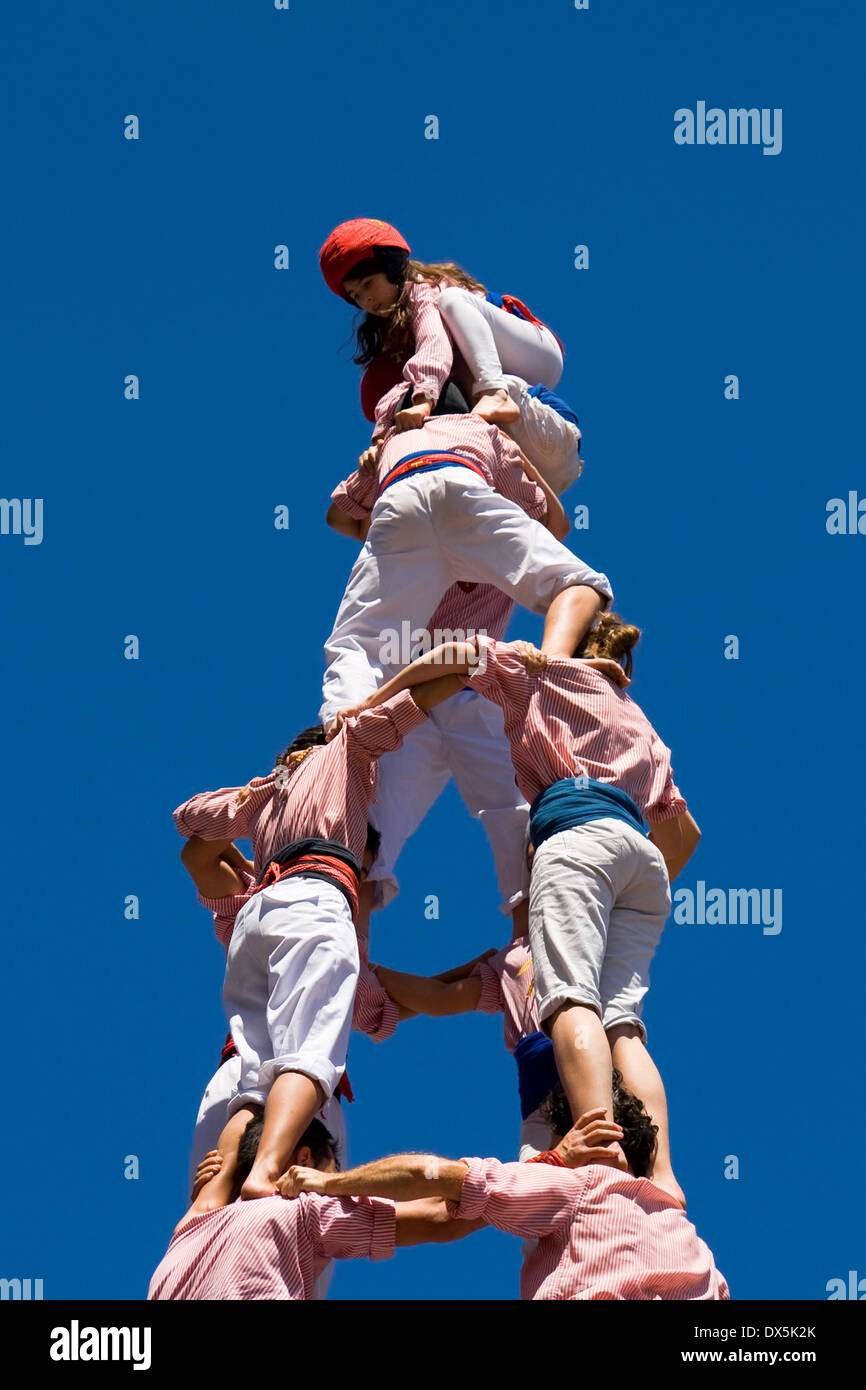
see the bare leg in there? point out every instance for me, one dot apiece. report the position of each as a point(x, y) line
point(641, 1076)
point(583, 1060)
point(569, 619)
point(292, 1102)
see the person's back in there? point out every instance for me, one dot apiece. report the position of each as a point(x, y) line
point(270, 1248)
point(626, 1239)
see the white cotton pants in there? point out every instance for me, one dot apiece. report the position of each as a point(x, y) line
point(291, 974)
point(212, 1116)
point(426, 532)
point(463, 738)
point(536, 1136)
point(548, 440)
point(598, 900)
point(494, 342)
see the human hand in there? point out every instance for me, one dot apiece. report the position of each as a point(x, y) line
point(340, 719)
point(413, 417)
point(370, 457)
point(207, 1169)
point(297, 1180)
point(608, 667)
point(242, 795)
point(593, 1139)
point(532, 658)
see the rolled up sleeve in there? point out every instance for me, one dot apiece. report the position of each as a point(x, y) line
point(382, 729)
point(356, 495)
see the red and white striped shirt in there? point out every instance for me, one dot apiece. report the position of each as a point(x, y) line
point(226, 909)
point(508, 987)
point(329, 792)
point(273, 1248)
point(498, 457)
point(432, 358)
point(602, 1234)
point(568, 720)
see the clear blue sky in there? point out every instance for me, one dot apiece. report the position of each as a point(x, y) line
point(155, 257)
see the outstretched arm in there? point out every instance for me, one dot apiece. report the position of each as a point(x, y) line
point(430, 996)
point(427, 1221)
point(555, 518)
point(402, 1177)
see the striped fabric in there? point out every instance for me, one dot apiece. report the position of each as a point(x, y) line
point(508, 987)
point(272, 1248)
point(432, 358)
point(226, 909)
point(329, 792)
point(570, 721)
point(602, 1234)
point(497, 456)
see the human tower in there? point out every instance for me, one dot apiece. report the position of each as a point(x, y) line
point(456, 505)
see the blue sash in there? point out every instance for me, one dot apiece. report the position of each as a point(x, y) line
point(536, 1071)
point(576, 800)
point(555, 402)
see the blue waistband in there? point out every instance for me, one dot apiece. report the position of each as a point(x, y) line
point(536, 1071)
point(449, 459)
point(576, 800)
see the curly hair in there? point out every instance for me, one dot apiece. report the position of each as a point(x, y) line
point(307, 738)
point(374, 334)
point(610, 635)
point(639, 1139)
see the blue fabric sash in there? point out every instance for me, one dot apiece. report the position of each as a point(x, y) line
point(536, 1071)
point(555, 402)
point(576, 800)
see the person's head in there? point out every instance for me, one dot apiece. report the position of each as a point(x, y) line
point(316, 1149)
point(610, 636)
point(308, 738)
point(638, 1141)
point(374, 285)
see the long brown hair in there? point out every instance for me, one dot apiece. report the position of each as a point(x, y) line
point(374, 333)
point(610, 635)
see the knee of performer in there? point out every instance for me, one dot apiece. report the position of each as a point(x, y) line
point(451, 298)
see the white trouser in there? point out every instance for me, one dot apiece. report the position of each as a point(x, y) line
point(598, 900)
point(212, 1116)
point(493, 341)
point(426, 532)
point(463, 738)
point(535, 1136)
point(549, 441)
point(291, 974)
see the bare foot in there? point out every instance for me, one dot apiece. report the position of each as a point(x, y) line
point(496, 407)
point(257, 1187)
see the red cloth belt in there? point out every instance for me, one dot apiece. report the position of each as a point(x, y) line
point(428, 462)
point(323, 864)
point(549, 1156)
point(511, 304)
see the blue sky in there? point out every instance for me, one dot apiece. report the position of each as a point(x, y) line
point(156, 257)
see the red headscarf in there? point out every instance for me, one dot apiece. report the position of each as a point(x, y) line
point(353, 242)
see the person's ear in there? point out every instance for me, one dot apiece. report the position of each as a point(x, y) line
point(304, 1157)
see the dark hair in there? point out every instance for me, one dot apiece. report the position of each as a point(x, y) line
point(374, 839)
point(610, 636)
point(638, 1142)
point(316, 1138)
point(374, 332)
point(307, 738)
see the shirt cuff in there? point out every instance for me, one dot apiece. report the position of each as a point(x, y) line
point(384, 1237)
point(670, 811)
point(473, 1198)
point(474, 679)
point(490, 1001)
point(356, 510)
point(404, 713)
